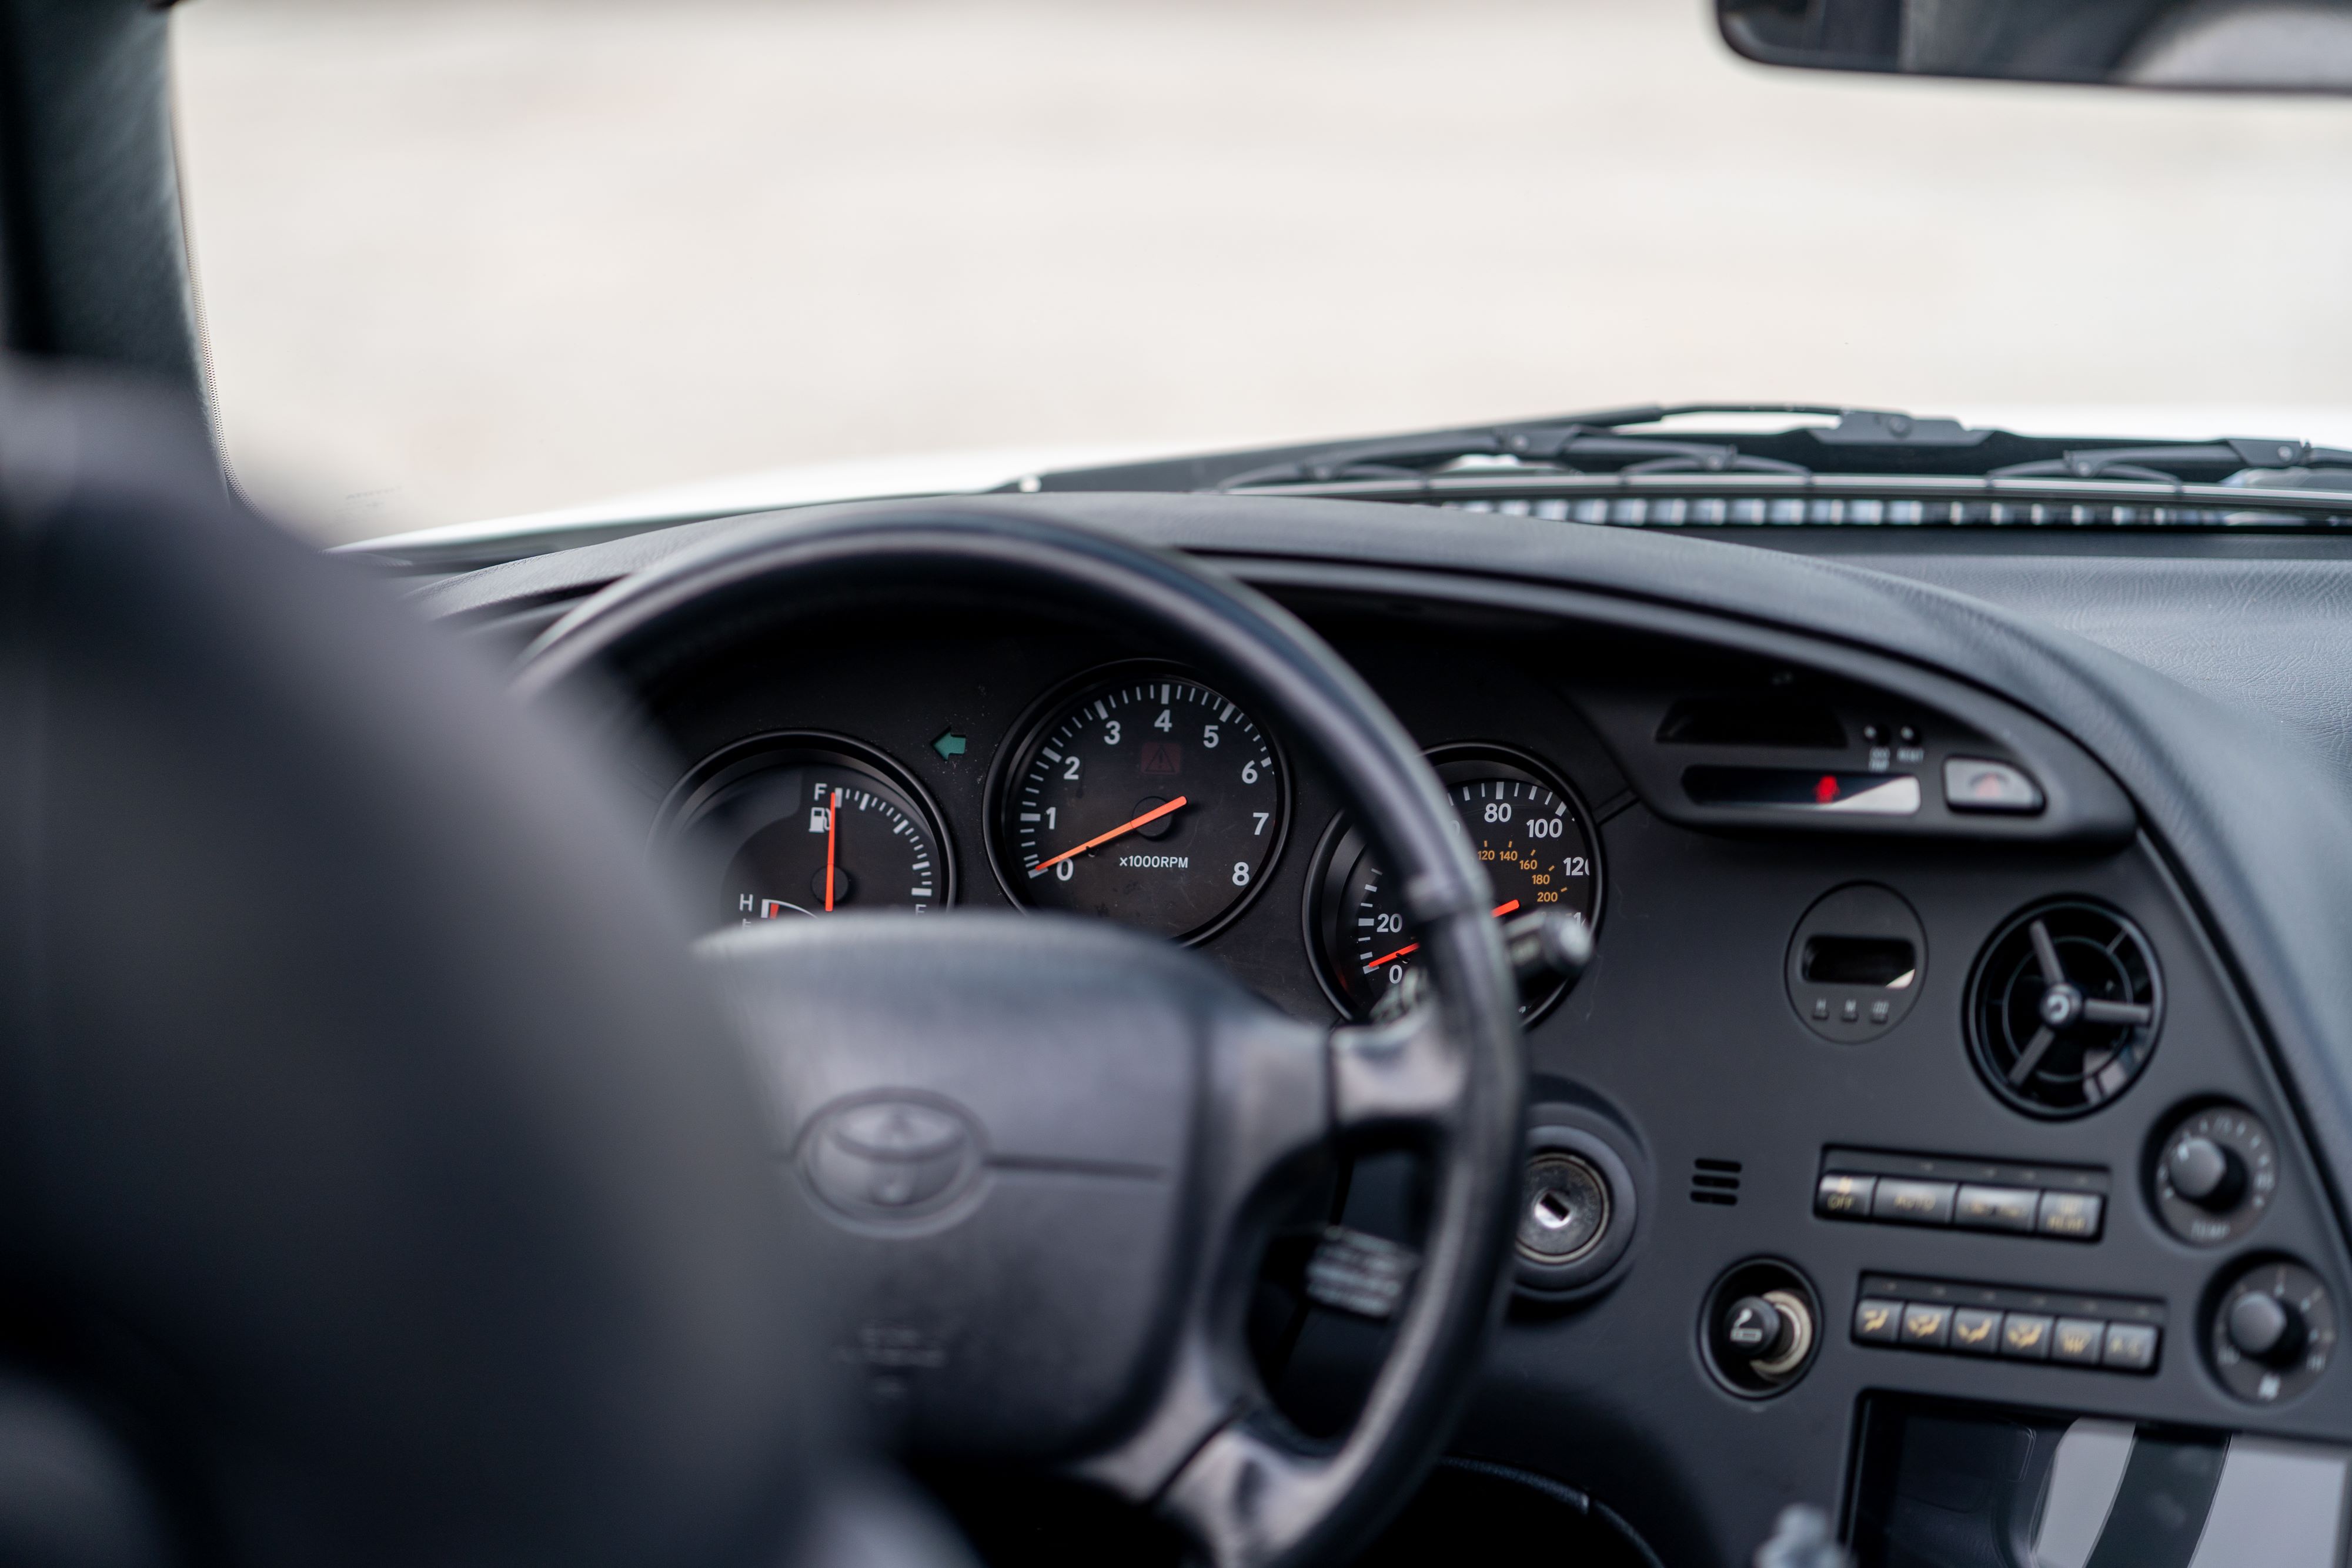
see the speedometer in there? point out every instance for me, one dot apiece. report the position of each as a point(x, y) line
point(1526, 828)
point(1142, 796)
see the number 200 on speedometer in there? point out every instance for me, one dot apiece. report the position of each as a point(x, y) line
point(1527, 829)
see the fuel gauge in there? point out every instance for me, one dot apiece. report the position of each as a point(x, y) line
point(810, 825)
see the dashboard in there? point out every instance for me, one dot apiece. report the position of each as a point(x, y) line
point(1909, 1144)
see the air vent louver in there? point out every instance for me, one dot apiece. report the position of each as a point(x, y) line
point(2063, 1007)
point(1714, 1181)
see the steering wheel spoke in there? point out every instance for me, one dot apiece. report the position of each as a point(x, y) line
point(1399, 1073)
point(1248, 1499)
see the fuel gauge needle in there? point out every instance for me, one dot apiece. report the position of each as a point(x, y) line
point(1151, 816)
point(831, 819)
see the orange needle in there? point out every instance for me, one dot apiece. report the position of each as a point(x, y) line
point(832, 817)
point(1153, 815)
point(1500, 910)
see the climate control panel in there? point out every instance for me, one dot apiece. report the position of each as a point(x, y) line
point(2110, 1333)
point(2064, 1203)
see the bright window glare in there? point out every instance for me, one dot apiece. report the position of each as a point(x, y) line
point(468, 259)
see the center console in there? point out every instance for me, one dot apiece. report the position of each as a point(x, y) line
point(1956, 1485)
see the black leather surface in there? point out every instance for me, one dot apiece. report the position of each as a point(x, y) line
point(2235, 754)
point(367, 1141)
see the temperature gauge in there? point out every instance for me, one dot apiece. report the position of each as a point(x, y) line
point(811, 825)
point(1529, 830)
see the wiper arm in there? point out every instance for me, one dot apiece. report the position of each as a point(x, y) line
point(2162, 464)
point(1562, 447)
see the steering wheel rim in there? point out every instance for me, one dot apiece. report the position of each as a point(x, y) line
point(1241, 1486)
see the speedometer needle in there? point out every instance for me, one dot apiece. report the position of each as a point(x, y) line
point(831, 819)
point(1153, 815)
point(1500, 910)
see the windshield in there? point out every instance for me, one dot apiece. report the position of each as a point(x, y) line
point(480, 258)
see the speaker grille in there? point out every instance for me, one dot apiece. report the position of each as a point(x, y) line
point(1715, 1181)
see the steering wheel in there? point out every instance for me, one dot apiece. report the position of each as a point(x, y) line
point(1085, 1131)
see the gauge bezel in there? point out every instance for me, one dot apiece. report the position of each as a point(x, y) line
point(740, 760)
point(1453, 762)
point(1041, 713)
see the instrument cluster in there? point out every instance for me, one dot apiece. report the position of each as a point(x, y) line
point(1135, 793)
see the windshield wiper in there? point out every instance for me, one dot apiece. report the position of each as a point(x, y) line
point(1818, 445)
point(1563, 447)
point(2163, 464)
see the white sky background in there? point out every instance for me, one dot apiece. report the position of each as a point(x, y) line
point(470, 257)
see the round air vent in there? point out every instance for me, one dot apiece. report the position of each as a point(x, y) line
point(2063, 1007)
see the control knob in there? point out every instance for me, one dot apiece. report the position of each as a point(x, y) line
point(2206, 1174)
point(2214, 1174)
point(2269, 1330)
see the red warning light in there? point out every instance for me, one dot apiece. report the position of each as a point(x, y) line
point(1825, 791)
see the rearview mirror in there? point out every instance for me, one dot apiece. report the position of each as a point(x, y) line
point(2263, 45)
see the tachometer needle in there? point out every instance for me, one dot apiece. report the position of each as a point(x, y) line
point(1153, 815)
point(832, 820)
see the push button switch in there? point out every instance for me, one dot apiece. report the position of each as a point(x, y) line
point(2076, 1215)
point(1911, 1202)
point(1926, 1325)
point(2025, 1336)
point(1976, 1330)
point(2077, 1340)
point(1844, 1196)
point(1996, 1208)
point(1981, 784)
point(1878, 1322)
point(2130, 1347)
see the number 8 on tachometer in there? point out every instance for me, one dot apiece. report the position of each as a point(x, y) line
point(1142, 796)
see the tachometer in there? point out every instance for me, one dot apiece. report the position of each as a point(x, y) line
point(811, 825)
point(1529, 831)
point(1146, 798)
